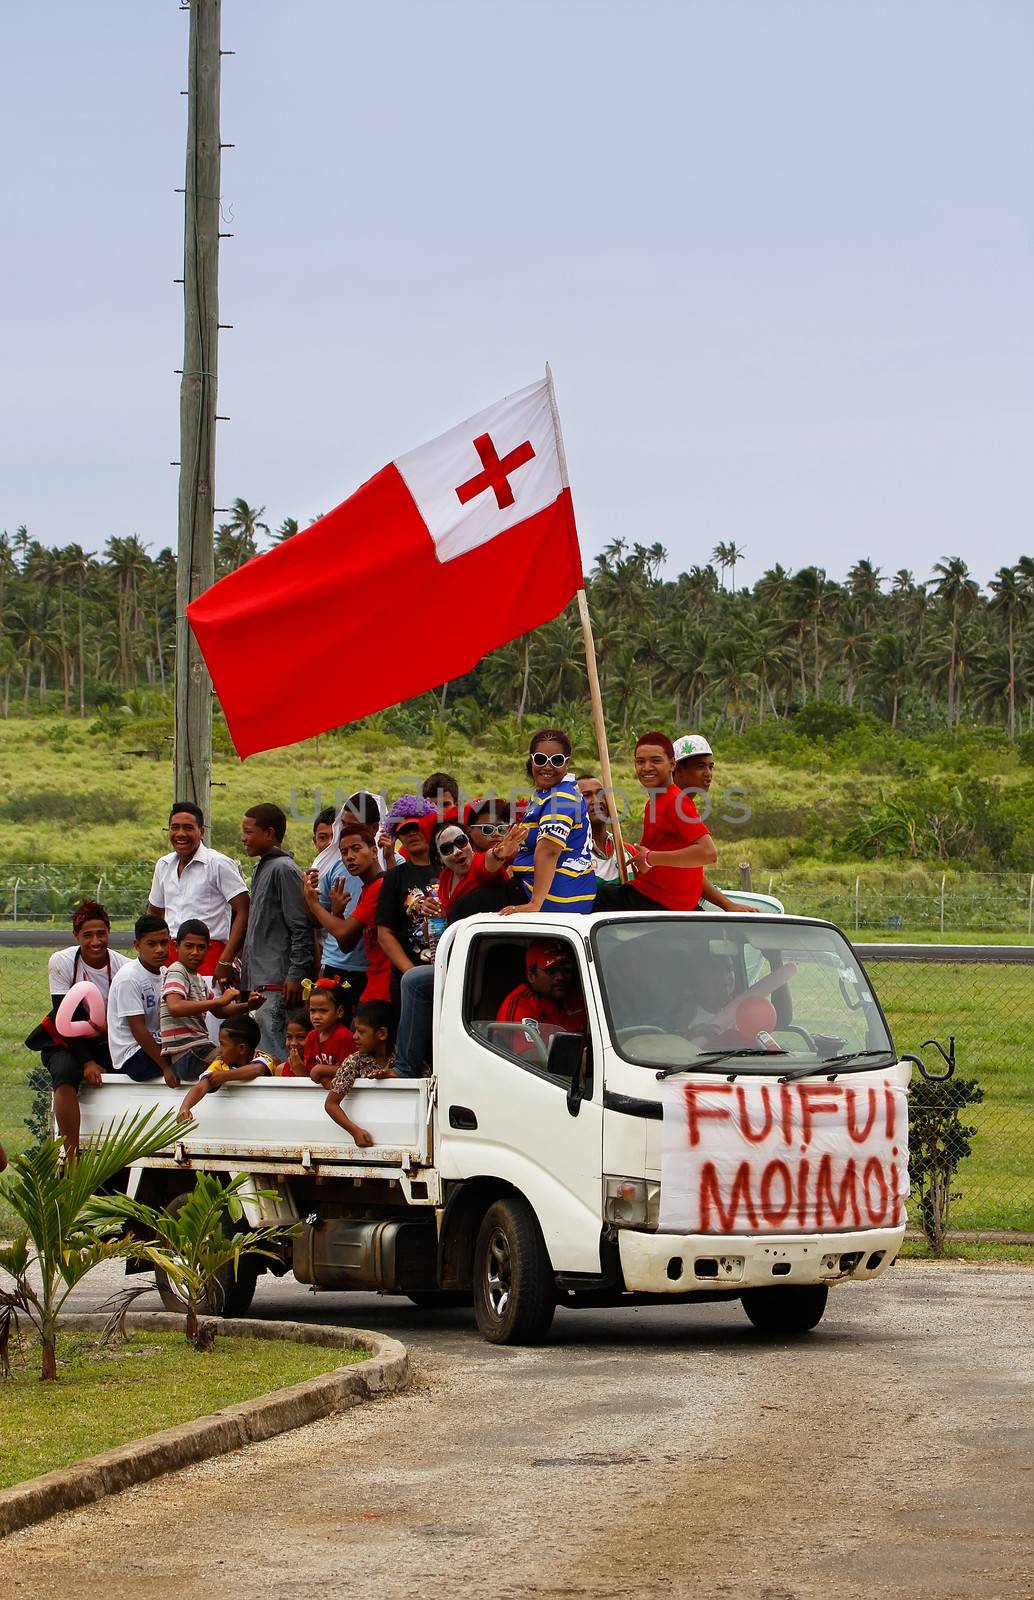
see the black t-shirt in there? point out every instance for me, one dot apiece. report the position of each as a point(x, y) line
point(401, 886)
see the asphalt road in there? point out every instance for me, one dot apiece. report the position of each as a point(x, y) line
point(643, 1453)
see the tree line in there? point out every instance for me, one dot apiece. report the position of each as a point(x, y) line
point(81, 631)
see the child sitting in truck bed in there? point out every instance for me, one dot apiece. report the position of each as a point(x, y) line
point(329, 1042)
point(239, 1061)
point(374, 1025)
point(296, 1032)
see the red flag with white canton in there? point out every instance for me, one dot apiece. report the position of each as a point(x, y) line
point(450, 551)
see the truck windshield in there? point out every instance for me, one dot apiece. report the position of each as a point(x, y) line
point(696, 991)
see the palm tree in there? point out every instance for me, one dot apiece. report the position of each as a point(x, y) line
point(721, 556)
point(236, 541)
point(735, 552)
point(1011, 598)
point(957, 592)
point(287, 529)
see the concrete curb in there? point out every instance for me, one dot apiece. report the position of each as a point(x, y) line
point(385, 1372)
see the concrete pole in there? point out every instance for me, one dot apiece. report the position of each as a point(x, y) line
point(196, 564)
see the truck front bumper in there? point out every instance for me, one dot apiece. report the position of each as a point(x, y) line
point(679, 1263)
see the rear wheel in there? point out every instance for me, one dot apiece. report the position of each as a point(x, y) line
point(229, 1295)
point(514, 1293)
point(784, 1310)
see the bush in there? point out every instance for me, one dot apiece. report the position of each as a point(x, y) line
point(59, 805)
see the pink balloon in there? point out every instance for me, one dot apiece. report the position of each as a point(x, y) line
point(65, 1021)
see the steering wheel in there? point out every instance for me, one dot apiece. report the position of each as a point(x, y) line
point(527, 1044)
point(637, 1028)
point(793, 1027)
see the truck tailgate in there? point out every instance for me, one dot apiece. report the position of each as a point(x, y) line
point(281, 1121)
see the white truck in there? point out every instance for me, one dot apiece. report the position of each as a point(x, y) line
point(730, 1126)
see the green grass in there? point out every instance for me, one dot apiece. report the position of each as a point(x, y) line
point(989, 1010)
point(969, 1250)
point(103, 1398)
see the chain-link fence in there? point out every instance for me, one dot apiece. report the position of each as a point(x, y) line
point(915, 901)
point(981, 995)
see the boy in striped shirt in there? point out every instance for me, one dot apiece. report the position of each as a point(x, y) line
point(186, 1002)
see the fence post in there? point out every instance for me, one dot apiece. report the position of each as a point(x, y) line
point(1030, 903)
point(17, 886)
point(857, 900)
point(943, 875)
point(746, 877)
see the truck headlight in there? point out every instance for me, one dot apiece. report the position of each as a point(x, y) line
point(631, 1202)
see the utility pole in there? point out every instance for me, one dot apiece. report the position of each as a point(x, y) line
point(195, 571)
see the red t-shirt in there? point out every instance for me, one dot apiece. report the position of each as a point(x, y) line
point(330, 1051)
point(670, 822)
point(567, 1017)
point(451, 888)
point(378, 967)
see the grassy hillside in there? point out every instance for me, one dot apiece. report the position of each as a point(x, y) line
point(88, 798)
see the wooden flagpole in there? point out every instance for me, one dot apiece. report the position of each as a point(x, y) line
point(595, 694)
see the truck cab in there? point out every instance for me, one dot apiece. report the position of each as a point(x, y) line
point(729, 1123)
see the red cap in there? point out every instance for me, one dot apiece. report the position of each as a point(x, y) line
point(546, 953)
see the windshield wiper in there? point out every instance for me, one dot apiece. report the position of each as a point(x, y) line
point(838, 1061)
point(710, 1056)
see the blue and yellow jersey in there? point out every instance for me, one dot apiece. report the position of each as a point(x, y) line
point(560, 813)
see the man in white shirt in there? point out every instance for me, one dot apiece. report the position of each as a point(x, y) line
point(134, 1007)
point(194, 882)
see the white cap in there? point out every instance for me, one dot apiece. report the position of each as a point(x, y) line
point(690, 745)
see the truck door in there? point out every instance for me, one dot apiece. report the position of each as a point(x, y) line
point(503, 1112)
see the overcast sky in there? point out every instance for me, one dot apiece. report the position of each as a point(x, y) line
point(778, 253)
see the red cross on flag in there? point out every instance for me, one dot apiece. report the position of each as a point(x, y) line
point(450, 551)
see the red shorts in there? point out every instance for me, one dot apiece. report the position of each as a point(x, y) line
point(208, 966)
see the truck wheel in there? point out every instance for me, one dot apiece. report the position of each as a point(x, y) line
point(514, 1293)
point(228, 1296)
point(785, 1311)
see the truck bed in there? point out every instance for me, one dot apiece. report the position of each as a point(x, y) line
point(279, 1125)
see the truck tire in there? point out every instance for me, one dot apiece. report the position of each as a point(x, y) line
point(784, 1310)
point(229, 1296)
point(514, 1293)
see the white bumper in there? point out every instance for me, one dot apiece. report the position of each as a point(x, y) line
point(679, 1263)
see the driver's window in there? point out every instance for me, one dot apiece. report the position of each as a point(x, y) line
point(522, 992)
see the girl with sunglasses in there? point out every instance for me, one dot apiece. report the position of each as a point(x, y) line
point(480, 876)
point(554, 864)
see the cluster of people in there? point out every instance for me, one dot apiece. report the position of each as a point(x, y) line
point(328, 974)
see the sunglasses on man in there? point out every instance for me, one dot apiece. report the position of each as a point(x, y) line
point(539, 759)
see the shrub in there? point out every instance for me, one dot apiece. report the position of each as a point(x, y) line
point(938, 1141)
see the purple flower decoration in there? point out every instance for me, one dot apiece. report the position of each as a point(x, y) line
point(408, 808)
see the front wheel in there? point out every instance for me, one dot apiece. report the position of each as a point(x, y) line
point(514, 1293)
point(784, 1310)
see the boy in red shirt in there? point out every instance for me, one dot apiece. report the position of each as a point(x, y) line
point(358, 845)
point(675, 846)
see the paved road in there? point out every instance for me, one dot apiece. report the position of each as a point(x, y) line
point(644, 1453)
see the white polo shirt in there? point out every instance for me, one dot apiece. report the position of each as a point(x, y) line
point(203, 889)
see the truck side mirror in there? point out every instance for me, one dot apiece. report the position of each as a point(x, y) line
point(566, 1051)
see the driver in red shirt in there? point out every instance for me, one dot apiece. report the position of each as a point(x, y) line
point(551, 997)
